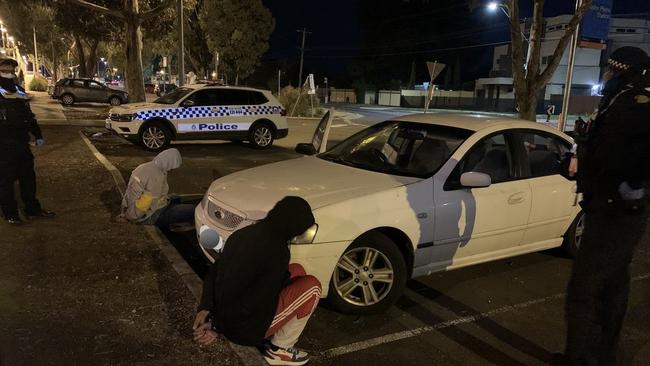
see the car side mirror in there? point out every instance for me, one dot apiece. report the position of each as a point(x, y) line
point(305, 149)
point(187, 103)
point(475, 180)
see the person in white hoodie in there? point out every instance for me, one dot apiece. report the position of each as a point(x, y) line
point(147, 199)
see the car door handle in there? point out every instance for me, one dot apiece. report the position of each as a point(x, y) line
point(516, 198)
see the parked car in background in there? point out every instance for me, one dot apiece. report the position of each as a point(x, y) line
point(202, 112)
point(409, 197)
point(70, 91)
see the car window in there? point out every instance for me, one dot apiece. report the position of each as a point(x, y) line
point(544, 153)
point(256, 98)
point(95, 85)
point(77, 83)
point(490, 156)
point(231, 97)
point(204, 98)
point(174, 96)
point(399, 148)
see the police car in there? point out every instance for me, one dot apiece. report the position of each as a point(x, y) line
point(202, 112)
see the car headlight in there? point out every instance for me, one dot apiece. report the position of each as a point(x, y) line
point(307, 237)
point(121, 117)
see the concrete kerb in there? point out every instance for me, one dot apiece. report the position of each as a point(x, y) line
point(67, 122)
point(248, 355)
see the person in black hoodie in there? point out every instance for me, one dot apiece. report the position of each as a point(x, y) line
point(612, 168)
point(253, 296)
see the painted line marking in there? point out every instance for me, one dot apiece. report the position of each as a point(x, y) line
point(377, 341)
point(248, 355)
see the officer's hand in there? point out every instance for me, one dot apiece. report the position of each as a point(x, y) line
point(40, 142)
point(628, 193)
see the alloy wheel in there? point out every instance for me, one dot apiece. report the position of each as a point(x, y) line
point(153, 137)
point(262, 136)
point(363, 276)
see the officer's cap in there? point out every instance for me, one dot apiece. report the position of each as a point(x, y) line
point(628, 58)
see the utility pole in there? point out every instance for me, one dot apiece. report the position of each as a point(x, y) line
point(216, 65)
point(36, 68)
point(279, 75)
point(181, 46)
point(302, 54)
point(561, 124)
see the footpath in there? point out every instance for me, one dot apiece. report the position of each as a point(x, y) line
point(82, 289)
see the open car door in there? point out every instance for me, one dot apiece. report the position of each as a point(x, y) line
point(319, 141)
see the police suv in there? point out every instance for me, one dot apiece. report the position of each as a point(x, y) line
point(202, 112)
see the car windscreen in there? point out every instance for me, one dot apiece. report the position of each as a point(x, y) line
point(399, 148)
point(174, 96)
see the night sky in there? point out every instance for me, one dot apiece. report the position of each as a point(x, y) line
point(335, 42)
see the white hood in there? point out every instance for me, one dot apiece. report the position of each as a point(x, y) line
point(167, 160)
point(253, 192)
point(137, 107)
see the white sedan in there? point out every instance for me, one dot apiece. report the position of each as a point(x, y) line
point(409, 197)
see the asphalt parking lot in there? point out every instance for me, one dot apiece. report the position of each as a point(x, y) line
point(507, 312)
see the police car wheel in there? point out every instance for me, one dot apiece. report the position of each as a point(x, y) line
point(115, 101)
point(261, 136)
point(67, 99)
point(573, 236)
point(155, 137)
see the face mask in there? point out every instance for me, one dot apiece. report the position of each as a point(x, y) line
point(7, 75)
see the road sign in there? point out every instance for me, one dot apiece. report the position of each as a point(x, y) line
point(164, 61)
point(312, 86)
point(435, 68)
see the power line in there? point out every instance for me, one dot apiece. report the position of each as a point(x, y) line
point(417, 52)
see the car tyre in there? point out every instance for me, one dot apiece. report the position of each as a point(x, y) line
point(369, 277)
point(155, 137)
point(67, 99)
point(261, 135)
point(573, 236)
point(115, 101)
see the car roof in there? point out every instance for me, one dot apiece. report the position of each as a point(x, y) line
point(476, 122)
point(213, 86)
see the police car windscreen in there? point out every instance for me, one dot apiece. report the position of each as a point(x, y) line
point(174, 96)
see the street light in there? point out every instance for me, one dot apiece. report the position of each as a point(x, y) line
point(493, 6)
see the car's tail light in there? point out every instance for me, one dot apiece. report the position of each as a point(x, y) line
point(283, 112)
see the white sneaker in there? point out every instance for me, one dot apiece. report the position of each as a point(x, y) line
point(281, 356)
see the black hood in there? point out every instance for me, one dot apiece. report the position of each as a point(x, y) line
point(290, 217)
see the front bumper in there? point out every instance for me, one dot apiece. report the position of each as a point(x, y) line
point(318, 259)
point(127, 130)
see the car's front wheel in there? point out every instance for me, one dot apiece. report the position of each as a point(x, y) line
point(155, 137)
point(261, 136)
point(67, 99)
point(115, 101)
point(573, 236)
point(369, 277)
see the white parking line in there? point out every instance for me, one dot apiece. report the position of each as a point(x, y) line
point(359, 346)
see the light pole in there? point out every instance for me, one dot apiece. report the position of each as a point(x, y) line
point(181, 45)
point(494, 6)
point(561, 123)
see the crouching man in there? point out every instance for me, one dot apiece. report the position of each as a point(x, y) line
point(147, 199)
point(253, 296)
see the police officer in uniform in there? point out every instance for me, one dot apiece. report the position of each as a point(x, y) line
point(17, 122)
point(613, 163)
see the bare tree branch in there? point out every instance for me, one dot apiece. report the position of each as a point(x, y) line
point(532, 68)
point(98, 8)
point(564, 42)
point(518, 77)
point(155, 11)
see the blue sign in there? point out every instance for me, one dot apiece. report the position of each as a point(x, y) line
point(595, 24)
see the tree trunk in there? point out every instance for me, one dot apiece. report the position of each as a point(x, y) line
point(134, 74)
point(527, 105)
point(91, 61)
point(83, 72)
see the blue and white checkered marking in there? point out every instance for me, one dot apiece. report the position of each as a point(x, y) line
point(207, 112)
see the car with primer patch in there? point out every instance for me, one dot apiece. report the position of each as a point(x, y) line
point(409, 197)
point(202, 112)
